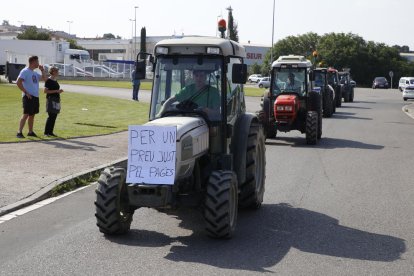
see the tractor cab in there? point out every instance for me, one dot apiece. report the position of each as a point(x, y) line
point(292, 103)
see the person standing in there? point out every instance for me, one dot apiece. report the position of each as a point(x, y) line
point(135, 85)
point(52, 90)
point(28, 83)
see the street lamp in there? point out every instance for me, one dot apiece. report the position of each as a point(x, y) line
point(273, 32)
point(218, 16)
point(135, 37)
point(132, 37)
point(70, 22)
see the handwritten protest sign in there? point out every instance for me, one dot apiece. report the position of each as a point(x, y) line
point(151, 154)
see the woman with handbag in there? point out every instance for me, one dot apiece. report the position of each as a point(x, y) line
point(52, 90)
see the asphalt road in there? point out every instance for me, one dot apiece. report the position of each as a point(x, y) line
point(343, 207)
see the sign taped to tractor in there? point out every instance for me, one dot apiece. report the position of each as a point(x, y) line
point(151, 154)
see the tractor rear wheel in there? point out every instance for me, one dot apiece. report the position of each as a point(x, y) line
point(252, 190)
point(311, 127)
point(113, 213)
point(220, 205)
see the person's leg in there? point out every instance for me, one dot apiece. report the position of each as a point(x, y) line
point(47, 125)
point(23, 120)
point(134, 92)
point(138, 85)
point(30, 122)
point(52, 117)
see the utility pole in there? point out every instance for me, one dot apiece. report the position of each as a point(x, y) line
point(132, 37)
point(135, 37)
point(70, 22)
point(228, 21)
point(273, 32)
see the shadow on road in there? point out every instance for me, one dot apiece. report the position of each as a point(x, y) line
point(347, 115)
point(264, 237)
point(324, 143)
point(73, 144)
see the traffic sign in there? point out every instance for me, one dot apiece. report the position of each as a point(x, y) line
point(391, 74)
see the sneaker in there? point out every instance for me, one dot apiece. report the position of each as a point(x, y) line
point(19, 135)
point(31, 134)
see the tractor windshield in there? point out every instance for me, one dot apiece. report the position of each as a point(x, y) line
point(188, 84)
point(319, 79)
point(289, 80)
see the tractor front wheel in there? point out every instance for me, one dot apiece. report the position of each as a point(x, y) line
point(113, 213)
point(311, 127)
point(220, 205)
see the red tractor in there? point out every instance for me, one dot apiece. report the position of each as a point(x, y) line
point(292, 103)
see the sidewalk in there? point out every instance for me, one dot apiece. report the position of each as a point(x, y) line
point(30, 169)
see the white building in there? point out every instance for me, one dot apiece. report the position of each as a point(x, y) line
point(123, 49)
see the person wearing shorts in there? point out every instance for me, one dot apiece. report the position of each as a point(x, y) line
point(28, 83)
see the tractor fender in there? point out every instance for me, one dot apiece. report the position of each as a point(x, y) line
point(239, 144)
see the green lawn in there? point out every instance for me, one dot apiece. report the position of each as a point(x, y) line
point(81, 115)
point(250, 91)
point(254, 91)
point(145, 85)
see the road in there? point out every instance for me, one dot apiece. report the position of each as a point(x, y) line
point(343, 207)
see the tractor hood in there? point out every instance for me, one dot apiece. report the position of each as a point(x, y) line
point(183, 124)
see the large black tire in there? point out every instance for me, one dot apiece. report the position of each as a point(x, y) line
point(252, 190)
point(113, 213)
point(311, 127)
point(339, 99)
point(327, 106)
point(269, 127)
point(319, 125)
point(346, 97)
point(220, 206)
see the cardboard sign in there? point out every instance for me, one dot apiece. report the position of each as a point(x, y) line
point(151, 154)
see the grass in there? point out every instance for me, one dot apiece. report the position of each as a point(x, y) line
point(145, 85)
point(250, 91)
point(254, 91)
point(81, 115)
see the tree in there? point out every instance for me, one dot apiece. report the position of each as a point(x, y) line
point(232, 26)
point(143, 44)
point(255, 69)
point(31, 33)
point(6, 23)
point(108, 36)
point(74, 45)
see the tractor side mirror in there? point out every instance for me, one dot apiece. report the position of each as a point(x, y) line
point(239, 73)
point(140, 70)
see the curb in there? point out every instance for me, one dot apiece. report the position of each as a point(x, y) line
point(406, 109)
point(45, 192)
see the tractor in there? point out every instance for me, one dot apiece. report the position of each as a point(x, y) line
point(333, 80)
point(220, 148)
point(327, 92)
point(348, 89)
point(293, 102)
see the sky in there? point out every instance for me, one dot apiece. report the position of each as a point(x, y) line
point(382, 21)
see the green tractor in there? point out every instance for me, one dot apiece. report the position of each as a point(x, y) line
point(348, 88)
point(333, 80)
point(293, 101)
point(220, 148)
point(327, 92)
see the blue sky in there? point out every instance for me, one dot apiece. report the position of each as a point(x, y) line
point(378, 20)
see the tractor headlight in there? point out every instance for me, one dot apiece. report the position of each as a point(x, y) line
point(162, 50)
point(288, 108)
point(213, 50)
point(280, 108)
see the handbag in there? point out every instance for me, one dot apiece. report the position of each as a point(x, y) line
point(53, 105)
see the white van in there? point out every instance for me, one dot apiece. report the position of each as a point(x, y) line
point(404, 82)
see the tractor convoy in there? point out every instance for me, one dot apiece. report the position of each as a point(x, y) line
point(216, 160)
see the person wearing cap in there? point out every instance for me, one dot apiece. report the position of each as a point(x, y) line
point(292, 85)
point(199, 92)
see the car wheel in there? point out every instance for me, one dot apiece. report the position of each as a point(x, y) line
point(405, 99)
point(261, 85)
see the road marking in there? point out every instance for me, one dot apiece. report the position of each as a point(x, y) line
point(37, 205)
point(407, 112)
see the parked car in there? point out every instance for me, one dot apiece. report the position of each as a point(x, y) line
point(404, 82)
point(408, 92)
point(380, 82)
point(264, 82)
point(255, 78)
